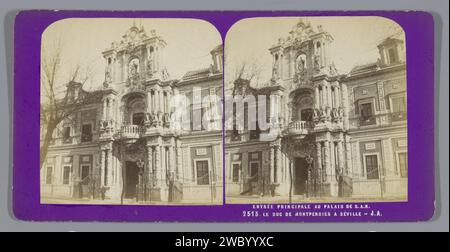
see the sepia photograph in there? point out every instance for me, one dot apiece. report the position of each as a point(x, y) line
point(315, 110)
point(118, 102)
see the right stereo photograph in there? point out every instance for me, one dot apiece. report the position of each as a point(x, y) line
point(315, 110)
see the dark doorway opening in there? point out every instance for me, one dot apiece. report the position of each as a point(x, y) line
point(307, 115)
point(300, 176)
point(131, 179)
point(138, 119)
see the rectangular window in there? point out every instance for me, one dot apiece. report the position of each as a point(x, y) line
point(66, 175)
point(403, 164)
point(366, 110)
point(398, 104)
point(202, 173)
point(86, 133)
point(236, 170)
point(392, 56)
point(66, 134)
point(366, 113)
point(49, 175)
point(85, 174)
point(398, 108)
point(372, 166)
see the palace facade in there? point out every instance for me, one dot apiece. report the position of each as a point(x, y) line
point(333, 135)
point(121, 147)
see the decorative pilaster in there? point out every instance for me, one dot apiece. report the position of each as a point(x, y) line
point(149, 163)
point(345, 105)
point(272, 165)
point(109, 168)
point(326, 158)
point(149, 102)
point(336, 97)
point(278, 173)
point(340, 156)
point(104, 110)
point(332, 160)
point(157, 169)
point(316, 97)
point(179, 167)
point(111, 109)
point(324, 97)
point(348, 156)
point(102, 167)
point(319, 161)
point(171, 158)
point(161, 101)
point(329, 103)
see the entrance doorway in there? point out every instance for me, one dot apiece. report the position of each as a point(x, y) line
point(300, 176)
point(138, 119)
point(131, 179)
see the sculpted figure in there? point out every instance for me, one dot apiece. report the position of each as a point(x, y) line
point(335, 114)
point(316, 115)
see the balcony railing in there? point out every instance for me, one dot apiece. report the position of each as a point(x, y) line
point(132, 131)
point(299, 128)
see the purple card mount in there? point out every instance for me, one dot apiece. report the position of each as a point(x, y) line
point(223, 116)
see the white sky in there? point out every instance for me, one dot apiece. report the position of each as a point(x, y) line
point(355, 41)
point(83, 40)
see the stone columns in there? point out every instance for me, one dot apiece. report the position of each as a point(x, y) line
point(109, 167)
point(329, 96)
point(161, 101)
point(278, 174)
point(149, 101)
point(104, 110)
point(179, 166)
point(345, 105)
point(157, 169)
point(169, 98)
point(348, 156)
point(111, 109)
point(332, 160)
point(102, 167)
point(340, 156)
point(326, 158)
point(272, 165)
point(319, 161)
point(316, 97)
point(336, 97)
point(171, 158)
point(149, 163)
point(324, 97)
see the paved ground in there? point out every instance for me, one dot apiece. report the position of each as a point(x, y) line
point(300, 199)
point(109, 202)
point(229, 200)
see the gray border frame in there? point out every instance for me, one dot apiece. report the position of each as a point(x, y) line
point(438, 8)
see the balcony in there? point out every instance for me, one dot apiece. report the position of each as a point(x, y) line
point(298, 129)
point(131, 133)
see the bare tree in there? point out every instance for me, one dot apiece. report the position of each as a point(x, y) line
point(248, 71)
point(57, 102)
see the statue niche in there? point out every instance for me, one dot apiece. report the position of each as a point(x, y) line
point(133, 72)
point(300, 69)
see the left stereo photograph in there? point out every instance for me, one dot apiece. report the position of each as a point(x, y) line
point(131, 112)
